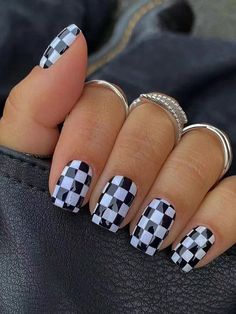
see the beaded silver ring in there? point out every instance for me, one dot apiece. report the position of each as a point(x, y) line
point(169, 104)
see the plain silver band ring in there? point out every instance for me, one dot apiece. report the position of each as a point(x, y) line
point(224, 139)
point(167, 103)
point(115, 89)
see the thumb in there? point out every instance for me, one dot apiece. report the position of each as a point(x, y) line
point(42, 100)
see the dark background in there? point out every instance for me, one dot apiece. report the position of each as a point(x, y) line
point(25, 24)
point(212, 18)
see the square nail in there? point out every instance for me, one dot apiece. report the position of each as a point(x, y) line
point(114, 203)
point(59, 45)
point(192, 248)
point(153, 226)
point(72, 186)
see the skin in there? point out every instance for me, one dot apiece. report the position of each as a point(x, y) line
point(87, 115)
point(42, 101)
point(97, 131)
point(183, 181)
point(156, 139)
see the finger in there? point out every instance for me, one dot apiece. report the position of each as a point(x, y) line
point(144, 142)
point(186, 177)
point(86, 141)
point(42, 100)
point(212, 228)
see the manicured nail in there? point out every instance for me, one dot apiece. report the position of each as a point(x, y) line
point(59, 45)
point(153, 226)
point(192, 248)
point(114, 203)
point(72, 186)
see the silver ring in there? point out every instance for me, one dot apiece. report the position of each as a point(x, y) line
point(115, 89)
point(224, 139)
point(170, 105)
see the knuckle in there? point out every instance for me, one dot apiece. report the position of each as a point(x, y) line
point(193, 168)
point(12, 109)
point(227, 188)
point(12, 95)
point(140, 147)
point(15, 92)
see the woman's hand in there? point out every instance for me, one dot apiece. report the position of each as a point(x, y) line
point(128, 169)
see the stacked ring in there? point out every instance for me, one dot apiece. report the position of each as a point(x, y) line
point(170, 105)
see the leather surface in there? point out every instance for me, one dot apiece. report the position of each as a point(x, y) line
point(56, 262)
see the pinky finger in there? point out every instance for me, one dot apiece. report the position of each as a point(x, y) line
point(211, 231)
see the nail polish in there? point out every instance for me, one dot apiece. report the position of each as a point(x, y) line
point(59, 45)
point(72, 186)
point(192, 248)
point(114, 203)
point(153, 226)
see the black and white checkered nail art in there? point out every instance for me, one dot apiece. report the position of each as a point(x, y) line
point(114, 203)
point(192, 248)
point(72, 186)
point(59, 45)
point(153, 226)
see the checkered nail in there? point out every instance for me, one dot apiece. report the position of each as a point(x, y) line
point(192, 248)
point(59, 45)
point(72, 186)
point(153, 226)
point(114, 203)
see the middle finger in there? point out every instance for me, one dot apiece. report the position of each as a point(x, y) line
point(143, 144)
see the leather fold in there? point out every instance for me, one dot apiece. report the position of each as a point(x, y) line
point(53, 261)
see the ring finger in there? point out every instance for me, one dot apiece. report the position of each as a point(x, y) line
point(188, 174)
point(143, 144)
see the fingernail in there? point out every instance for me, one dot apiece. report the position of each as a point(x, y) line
point(192, 248)
point(72, 186)
point(153, 226)
point(114, 203)
point(59, 45)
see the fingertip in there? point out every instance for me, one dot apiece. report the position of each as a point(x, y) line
point(70, 37)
